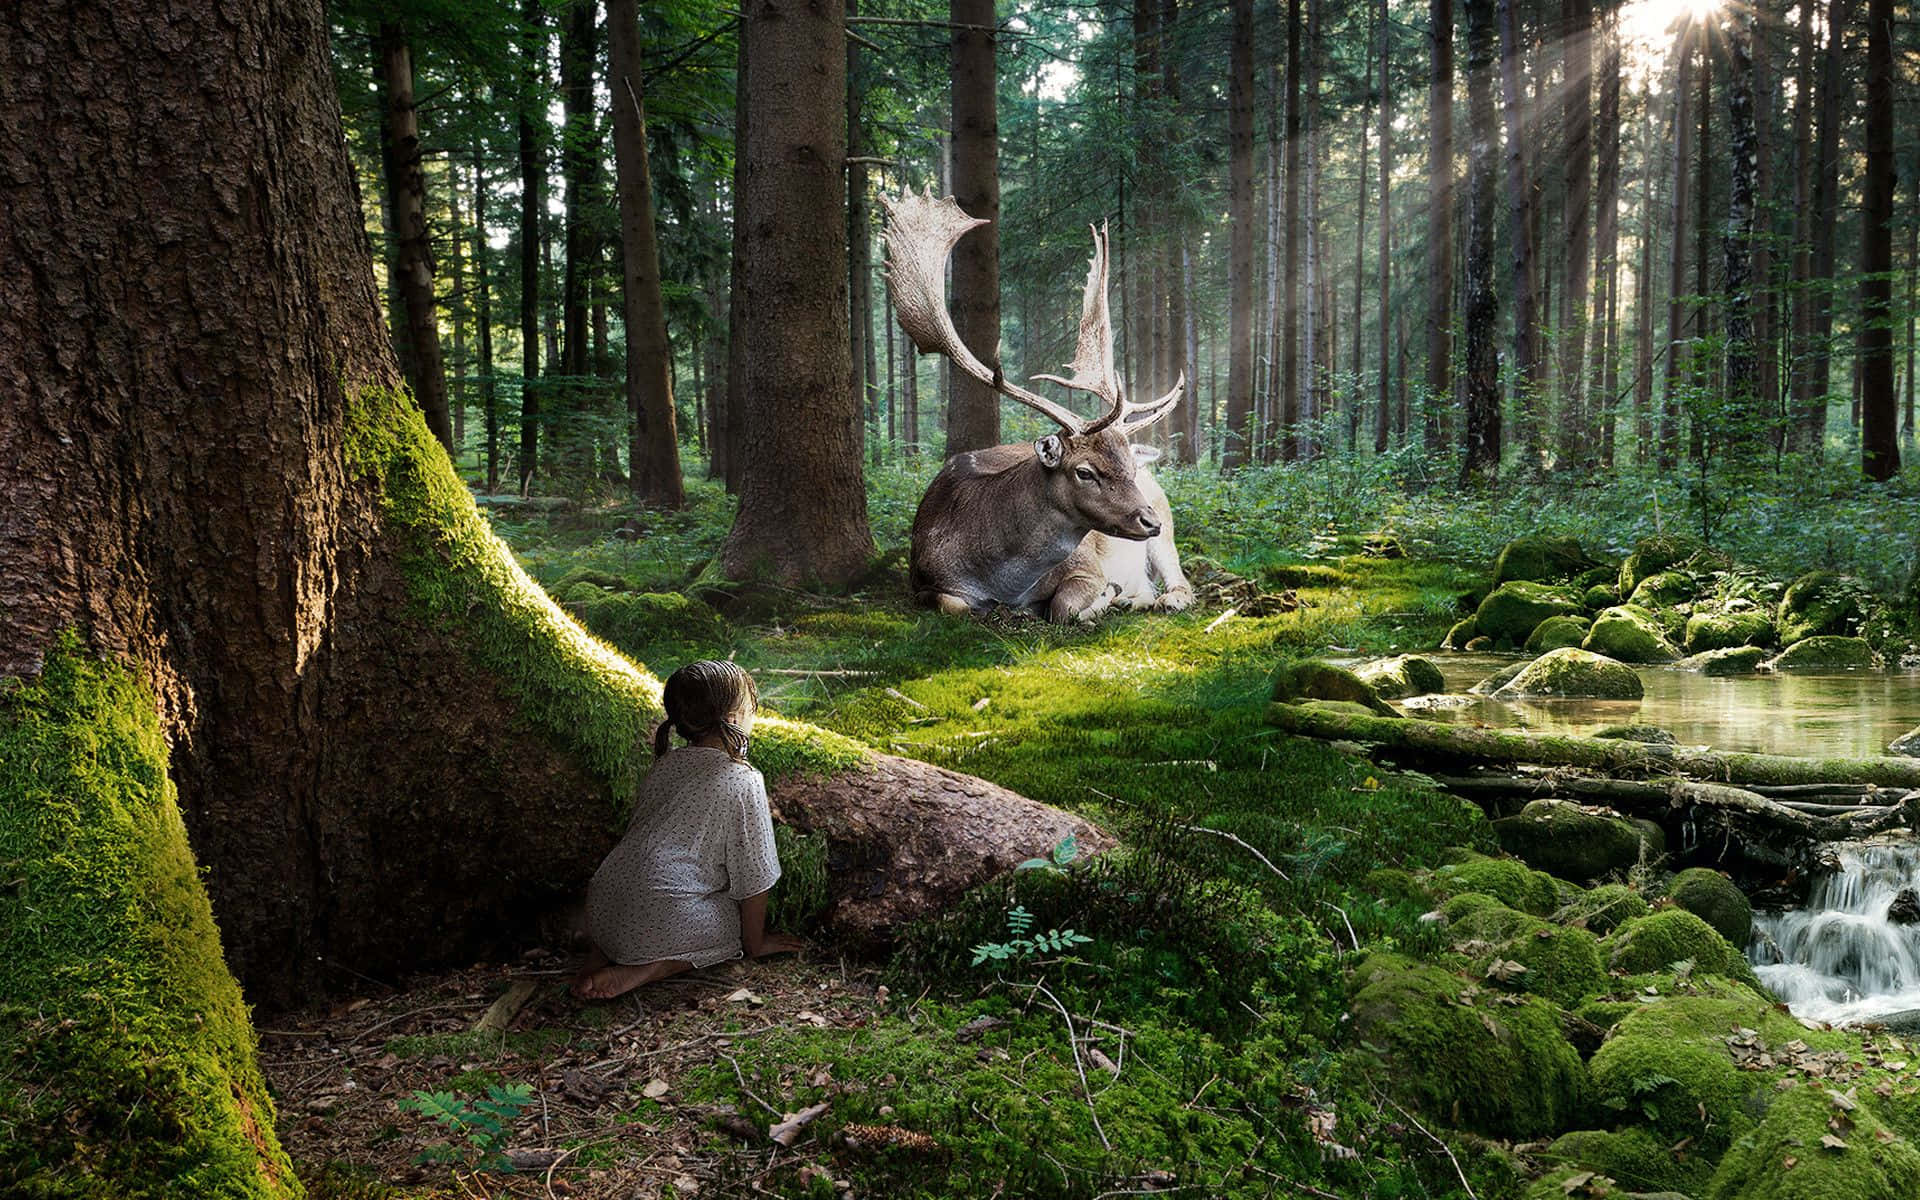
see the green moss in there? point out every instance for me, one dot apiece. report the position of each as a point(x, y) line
point(1466, 1057)
point(1820, 603)
point(1458, 909)
point(1872, 1163)
point(1512, 610)
point(1823, 653)
point(1663, 590)
point(1599, 596)
point(800, 896)
point(1574, 673)
point(1725, 630)
point(1402, 676)
point(1573, 842)
point(1541, 558)
point(1563, 965)
point(470, 1045)
point(1312, 679)
point(1663, 551)
point(644, 623)
point(1633, 1158)
point(1499, 679)
point(1604, 908)
point(1391, 885)
point(130, 1062)
point(606, 581)
point(1713, 898)
point(1460, 634)
point(1647, 735)
point(1735, 660)
point(1629, 634)
point(1671, 935)
point(1557, 632)
point(1508, 880)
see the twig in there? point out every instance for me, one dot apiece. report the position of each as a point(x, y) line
point(836, 674)
point(1238, 842)
point(787, 1131)
point(1448, 1150)
point(548, 1181)
point(1220, 620)
point(1078, 1068)
point(1348, 921)
point(755, 1096)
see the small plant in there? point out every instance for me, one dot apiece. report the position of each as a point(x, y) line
point(1065, 851)
point(1020, 945)
point(482, 1122)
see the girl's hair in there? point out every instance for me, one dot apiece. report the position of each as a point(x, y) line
point(704, 698)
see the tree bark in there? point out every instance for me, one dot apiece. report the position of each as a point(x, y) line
point(973, 408)
point(1237, 437)
point(1767, 414)
point(803, 502)
point(1677, 274)
point(1354, 405)
point(1299, 432)
point(1383, 419)
point(1439, 317)
point(1291, 386)
point(1521, 275)
point(1826, 215)
point(1481, 460)
point(1578, 445)
point(533, 174)
point(1794, 431)
point(483, 290)
point(730, 435)
point(1879, 434)
point(1739, 427)
point(860, 252)
point(1605, 375)
point(579, 153)
point(653, 448)
point(1644, 424)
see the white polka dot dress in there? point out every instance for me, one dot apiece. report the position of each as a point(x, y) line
point(701, 841)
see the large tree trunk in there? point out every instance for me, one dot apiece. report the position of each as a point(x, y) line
point(1879, 435)
point(860, 254)
point(533, 180)
point(1738, 426)
point(1481, 462)
point(1793, 434)
point(1767, 415)
point(412, 261)
point(1677, 273)
point(1826, 215)
point(653, 452)
point(1578, 445)
point(579, 156)
point(1300, 430)
point(1236, 451)
point(1528, 399)
point(1291, 385)
point(1383, 419)
point(483, 285)
point(1604, 401)
point(803, 504)
point(973, 408)
point(1439, 315)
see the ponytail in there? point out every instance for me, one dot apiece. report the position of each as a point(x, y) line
point(662, 738)
point(701, 699)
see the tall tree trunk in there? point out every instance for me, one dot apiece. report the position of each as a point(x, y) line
point(1879, 438)
point(1522, 231)
point(1383, 420)
point(1183, 424)
point(1315, 360)
point(1740, 426)
point(459, 314)
point(407, 226)
point(1700, 360)
point(730, 438)
point(973, 408)
point(533, 178)
point(653, 451)
point(1795, 433)
point(1643, 418)
point(1766, 417)
point(1439, 314)
point(1267, 355)
point(1292, 384)
point(860, 250)
point(802, 425)
point(483, 290)
point(578, 155)
point(1354, 405)
point(1826, 215)
point(1913, 310)
point(1578, 445)
point(1481, 462)
point(1677, 275)
point(1605, 375)
point(1236, 450)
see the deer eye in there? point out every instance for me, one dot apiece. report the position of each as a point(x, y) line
point(1085, 474)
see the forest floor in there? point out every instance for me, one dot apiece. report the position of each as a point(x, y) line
point(1194, 1046)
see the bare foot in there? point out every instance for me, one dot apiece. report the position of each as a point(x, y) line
point(778, 943)
point(596, 959)
point(617, 979)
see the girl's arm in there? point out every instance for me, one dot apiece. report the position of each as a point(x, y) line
point(754, 937)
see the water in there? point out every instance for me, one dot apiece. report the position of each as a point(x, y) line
point(1850, 714)
point(1840, 959)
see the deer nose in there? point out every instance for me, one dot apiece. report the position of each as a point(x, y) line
point(1148, 526)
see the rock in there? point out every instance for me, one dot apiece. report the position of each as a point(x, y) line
point(1603, 909)
point(1313, 679)
point(1724, 630)
point(1510, 611)
point(1817, 603)
point(1402, 676)
point(1823, 653)
point(1735, 660)
point(1599, 596)
point(1571, 841)
point(1656, 554)
point(1870, 1162)
point(1629, 634)
point(1382, 545)
point(1395, 886)
point(1557, 633)
point(907, 839)
point(1631, 1154)
point(1499, 679)
point(1540, 558)
point(1507, 880)
point(1484, 1063)
point(1671, 935)
point(1905, 909)
point(1907, 744)
point(1651, 735)
point(1713, 898)
point(1480, 644)
point(1570, 672)
point(1664, 589)
point(1461, 633)
point(1560, 964)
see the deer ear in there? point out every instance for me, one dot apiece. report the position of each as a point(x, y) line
point(1051, 450)
point(1145, 456)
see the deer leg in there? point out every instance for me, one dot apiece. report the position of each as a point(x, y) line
point(951, 604)
point(1080, 591)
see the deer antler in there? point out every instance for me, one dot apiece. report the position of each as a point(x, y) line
point(1092, 364)
point(921, 233)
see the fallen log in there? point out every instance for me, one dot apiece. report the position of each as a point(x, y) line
point(1814, 791)
point(1465, 743)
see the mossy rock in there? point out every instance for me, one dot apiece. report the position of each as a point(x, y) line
point(1872, 1163)
point(1481, 644)
point(1662, 552)
point(1313, 679)
point(1906, 744)
point(1391, 885)
point(1345, 708)
point(1663, 590)
point(1402, 676)
point(1819, 603)
point(1574, 673)
point(1713, 898)
point(1629, 634)
point(1599, 596)
point(1512, 610)
point(1660, 939)
point(1558, 633)
point(604, 580)
point(1632, 1157)
point(637, 621)
point(1646, 735)
point(1301, 575)
point(1826, 653)
point(1541, 558)
point(1725, 630)
point(1603, 908)
point(1572, 842)
point(1484, 1063)
point(1562, 964)
point(1508, 880)
point(1734, 660)
point(1499, 679)
point(1461, 633)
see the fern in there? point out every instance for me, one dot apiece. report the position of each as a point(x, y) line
point(1019, 945)
point(483, 1122)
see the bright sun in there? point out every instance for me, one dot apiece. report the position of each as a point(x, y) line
point(1651, 23)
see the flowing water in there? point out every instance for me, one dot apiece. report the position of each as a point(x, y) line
point(1848, 714)
point(1840, 958)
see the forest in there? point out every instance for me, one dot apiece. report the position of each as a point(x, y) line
point(1321, 600)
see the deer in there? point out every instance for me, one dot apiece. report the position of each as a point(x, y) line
point(1068, 526)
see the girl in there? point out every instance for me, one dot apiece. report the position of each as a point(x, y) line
point(687, 886)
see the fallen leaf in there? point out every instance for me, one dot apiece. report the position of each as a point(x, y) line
point(1831, 1142)
point(655, 1089)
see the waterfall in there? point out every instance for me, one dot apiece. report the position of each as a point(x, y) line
point(1840, 959)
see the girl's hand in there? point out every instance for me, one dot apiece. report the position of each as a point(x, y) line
point(776, 943)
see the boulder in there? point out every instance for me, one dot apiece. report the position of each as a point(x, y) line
point(1496, 1064)
point(1603, 909)
point(1629, 634)
point(1713, 898)
point(1511, 610)
point(1671, 935)
point(1819, 603)
point(1402, 676)
point(1735, 660)
point(1558, 963)
point(1907, 744)
point(1651, 735)
point(1508, 880)
point(1870, 1162)
point(1557, 633)
point(1571, 841)
point(1824, 653)
point(1480, 644)
point(1570, 672)
point(1662, 551)
point(1905, 909)
point(1499, 679)
point(1599, 596)
point(1663, 589)
point(1458, 637)
point(1724, 630)
point(1632, 1154)
point(1541, 558)
point(1313, 679)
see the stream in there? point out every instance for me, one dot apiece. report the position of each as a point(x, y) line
point(1840, 958)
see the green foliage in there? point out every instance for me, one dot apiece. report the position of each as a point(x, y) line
point(1023, 943)
point(481, 1122)
point(1869, 1162)
point(1509, 880)
point(130, 1060)
point(801, 895)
